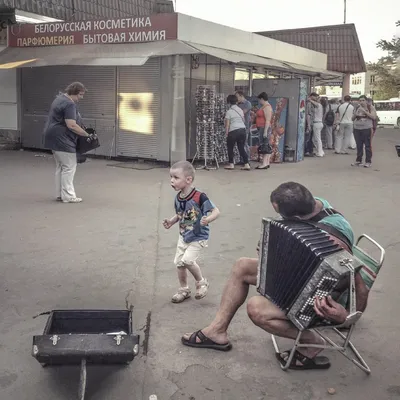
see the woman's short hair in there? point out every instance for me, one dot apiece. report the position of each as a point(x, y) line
point(232, 99)
point(75, 88)
point(263, 96)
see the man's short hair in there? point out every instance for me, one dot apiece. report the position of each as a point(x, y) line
point(240, 93)
point(186, 167)
point(75, 88)
point(347, 98)
point(362, 97)
point(293, 200)
point(314, 94)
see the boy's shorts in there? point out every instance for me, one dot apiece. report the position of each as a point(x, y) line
point(188, 253)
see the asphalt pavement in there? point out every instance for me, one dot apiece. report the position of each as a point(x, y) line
point(111, 251)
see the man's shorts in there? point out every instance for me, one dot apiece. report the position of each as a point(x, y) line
point(188, 253)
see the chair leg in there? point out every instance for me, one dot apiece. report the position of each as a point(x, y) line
point(286, 366)
point(360, 362)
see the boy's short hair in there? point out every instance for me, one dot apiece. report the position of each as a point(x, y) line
point(186, 167)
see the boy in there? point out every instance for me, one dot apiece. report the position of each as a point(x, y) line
point(191, 208)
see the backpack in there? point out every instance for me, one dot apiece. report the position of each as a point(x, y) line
point(374, 121)
point(330, 117)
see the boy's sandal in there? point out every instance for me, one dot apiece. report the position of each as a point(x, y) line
point(204, 342)
point(201, 289)
point(181, 295)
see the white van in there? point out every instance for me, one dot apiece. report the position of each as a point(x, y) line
point(388, 111)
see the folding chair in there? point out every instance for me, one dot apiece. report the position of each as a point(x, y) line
point(369, 272)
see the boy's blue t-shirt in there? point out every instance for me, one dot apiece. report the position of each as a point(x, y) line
point(337, 221)
point(190, 210)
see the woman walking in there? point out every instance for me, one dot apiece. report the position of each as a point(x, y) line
point(263, 123)
point(61, 136)
point(236, 132)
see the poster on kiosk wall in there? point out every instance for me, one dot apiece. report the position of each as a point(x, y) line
point(278, 125)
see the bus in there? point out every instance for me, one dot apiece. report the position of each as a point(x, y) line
point(388, 111)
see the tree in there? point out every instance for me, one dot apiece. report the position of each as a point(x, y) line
point(387, 69)
point(321, 90)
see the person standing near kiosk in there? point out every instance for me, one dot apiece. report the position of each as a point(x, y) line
point(61, 136)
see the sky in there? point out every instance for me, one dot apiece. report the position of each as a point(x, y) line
point(374, 20)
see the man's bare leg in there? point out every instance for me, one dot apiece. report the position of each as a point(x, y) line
point(244, 274)
point(270, 318)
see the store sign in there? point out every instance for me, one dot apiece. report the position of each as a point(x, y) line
point(109, 31)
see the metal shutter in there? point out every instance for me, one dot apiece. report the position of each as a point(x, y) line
point(98, 108)
point(139, 110)
point(227, 79)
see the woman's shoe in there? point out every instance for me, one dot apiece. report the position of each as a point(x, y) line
point(73, 200)
point(261, 167)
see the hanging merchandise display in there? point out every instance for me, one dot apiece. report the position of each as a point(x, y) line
point(206, 126)
point(211, 142)
point(220, 137)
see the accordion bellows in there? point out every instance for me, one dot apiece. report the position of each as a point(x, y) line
point(298, 262)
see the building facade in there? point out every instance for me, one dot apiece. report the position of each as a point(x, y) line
point(363, 84)
point(142, 74)
point(17, 12)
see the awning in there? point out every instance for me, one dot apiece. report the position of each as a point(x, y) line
point(239, 58)
point(254, 60)
point(323, 73)
point(131, 54)
point(102, 54)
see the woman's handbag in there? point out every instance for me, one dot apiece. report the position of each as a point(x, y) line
point(265, 147)
point(86, 144)
point(80, 158)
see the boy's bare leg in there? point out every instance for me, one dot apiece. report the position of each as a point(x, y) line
point(182, 276)
point(195, 270)
point(244, 274)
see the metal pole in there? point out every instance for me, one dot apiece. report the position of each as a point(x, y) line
point(82, 382)
point(345, 6)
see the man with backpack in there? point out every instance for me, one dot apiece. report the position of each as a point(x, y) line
point(329, 121)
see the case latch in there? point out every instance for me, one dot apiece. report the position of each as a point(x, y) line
point(119, 339)
point(55, 339)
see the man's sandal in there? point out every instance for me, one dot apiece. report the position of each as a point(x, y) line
point(181, 295)
point(205, 342)
point(318, 362)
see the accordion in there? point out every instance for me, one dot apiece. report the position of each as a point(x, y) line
point(298, 262)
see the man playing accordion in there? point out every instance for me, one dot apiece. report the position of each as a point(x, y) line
point(290, 200)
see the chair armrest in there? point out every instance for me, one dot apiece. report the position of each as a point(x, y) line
point(350, 320)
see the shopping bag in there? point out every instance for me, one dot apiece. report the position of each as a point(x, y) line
point(87, 143)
